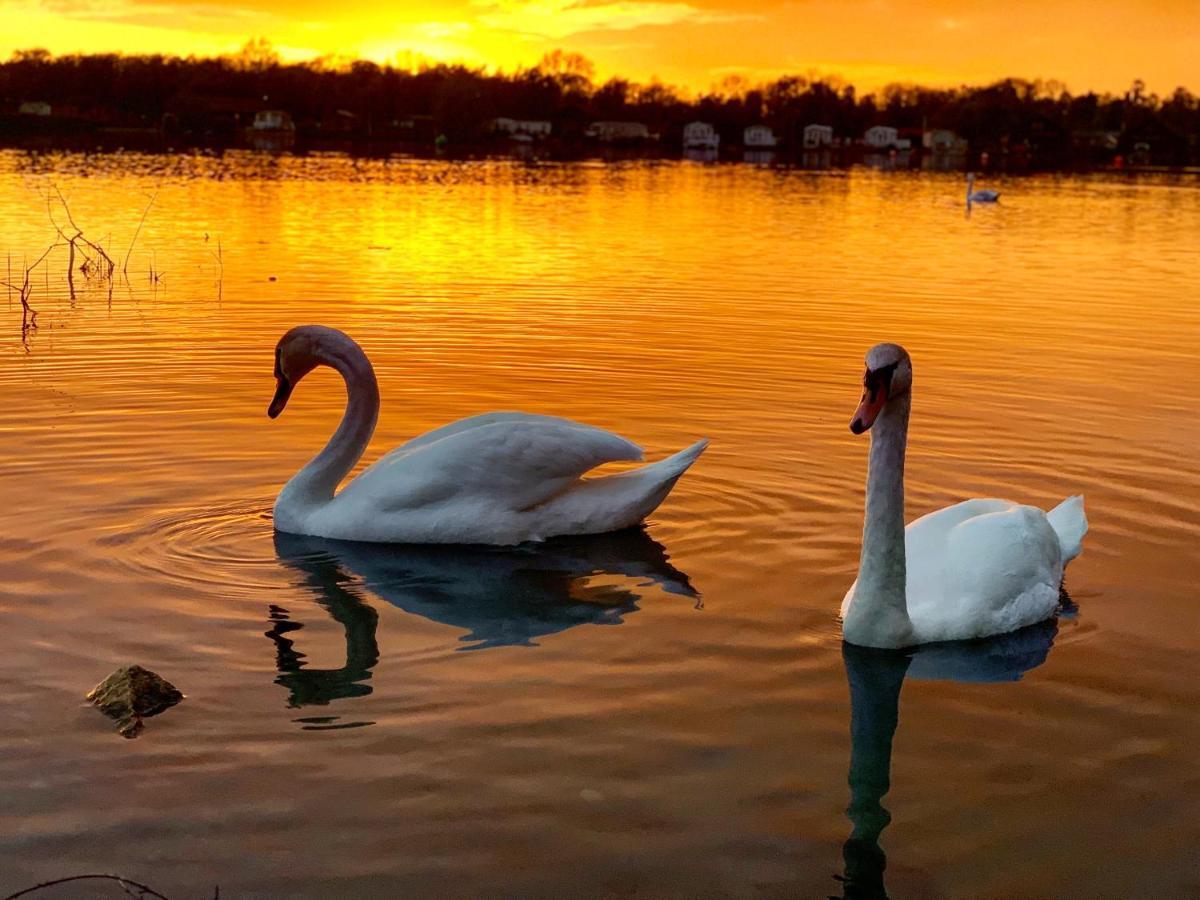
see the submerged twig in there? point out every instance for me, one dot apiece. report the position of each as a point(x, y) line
point(90, 258)
point(25, 291)
point(126, 884)
point(220, 270)
point(155, 276)
point(90, 265)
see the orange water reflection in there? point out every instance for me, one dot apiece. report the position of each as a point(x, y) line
point(1053, 339)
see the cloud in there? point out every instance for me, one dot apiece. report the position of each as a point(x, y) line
point(557, 19)
point(180, 16)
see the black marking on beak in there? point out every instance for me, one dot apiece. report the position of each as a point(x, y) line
point(881, 378)
point(283, 390)
point(877, 385)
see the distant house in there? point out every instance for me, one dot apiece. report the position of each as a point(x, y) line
point(272, 120)
point(613, 132)
point(1095, 139)
point(759, 136)
point(881, 137)
point(700, 136)
point(209, 114)
point(943, 141)
point(518, 128)
point(817, 136)
point(33, 108)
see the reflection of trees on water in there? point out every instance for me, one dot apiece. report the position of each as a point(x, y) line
point(875, 678)
point(495, 597)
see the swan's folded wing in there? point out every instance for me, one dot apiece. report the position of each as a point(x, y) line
point(488, 418)
point(511, 460)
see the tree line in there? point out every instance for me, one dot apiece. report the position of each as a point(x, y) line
point(201, 97)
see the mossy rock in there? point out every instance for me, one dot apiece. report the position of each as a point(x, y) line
point(132, 693)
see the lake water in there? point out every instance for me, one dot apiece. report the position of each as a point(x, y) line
point(659, 714)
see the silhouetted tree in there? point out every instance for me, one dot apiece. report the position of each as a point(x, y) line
point(210, 99)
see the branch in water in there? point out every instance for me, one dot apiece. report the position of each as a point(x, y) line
point(126, 884)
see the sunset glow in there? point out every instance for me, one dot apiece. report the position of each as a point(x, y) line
point(697, 44)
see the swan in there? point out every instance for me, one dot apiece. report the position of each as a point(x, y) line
point(983, 195)
point(971, 570)
point(498, 478)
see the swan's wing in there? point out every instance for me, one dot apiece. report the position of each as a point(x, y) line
point(934, 526)
point(508, 460)
point(479, 421)
point(998, 571)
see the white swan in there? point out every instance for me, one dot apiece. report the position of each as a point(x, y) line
point(983, 195)
point(978, 568)
point(498, 478)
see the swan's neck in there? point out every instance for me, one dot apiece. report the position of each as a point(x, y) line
point(317, 481)
point(878, 617)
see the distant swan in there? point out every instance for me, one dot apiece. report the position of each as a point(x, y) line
point(497, 478)
point(975, 569)
point(983, 195)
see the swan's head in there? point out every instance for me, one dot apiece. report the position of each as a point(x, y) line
point(298, 352)
point(888, 375)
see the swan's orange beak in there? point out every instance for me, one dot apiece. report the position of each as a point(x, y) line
point(283, 390)
point(869, 407)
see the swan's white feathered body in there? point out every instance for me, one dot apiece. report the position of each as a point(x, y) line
point(985, 567)
point(497, 478)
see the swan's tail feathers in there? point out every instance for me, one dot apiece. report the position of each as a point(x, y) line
point(1070, 523)
point(675, 465)
point(614, 502)
point(649, 485)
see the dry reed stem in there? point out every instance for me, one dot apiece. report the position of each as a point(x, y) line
point(141, 221)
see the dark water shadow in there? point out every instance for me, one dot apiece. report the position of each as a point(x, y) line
point(497, 597)
point(876, 677)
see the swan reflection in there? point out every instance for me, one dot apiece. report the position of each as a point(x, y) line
point(876, 677)
point(495, 596)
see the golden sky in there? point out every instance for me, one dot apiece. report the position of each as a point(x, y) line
point(1088, 44)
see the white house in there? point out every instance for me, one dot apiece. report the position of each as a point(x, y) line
point(34, 108)
point(1096, 140)
point(758, 136)
point(618, 131)
point(817, 136)
point(515, 127)
point(700, 136)
point(881, 137)
point(943, 140)
point(272, 120)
